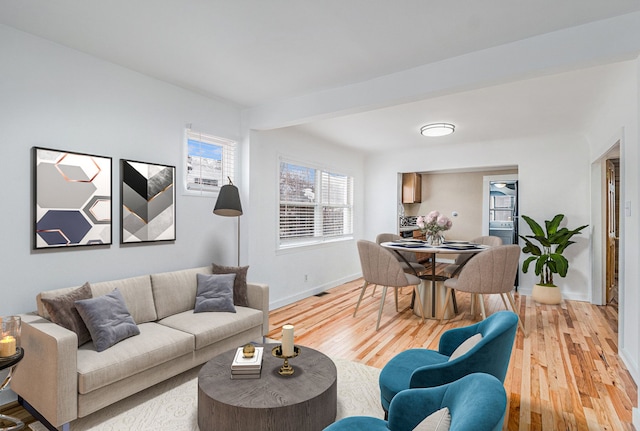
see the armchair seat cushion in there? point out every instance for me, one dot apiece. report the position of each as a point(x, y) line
point(396, 374)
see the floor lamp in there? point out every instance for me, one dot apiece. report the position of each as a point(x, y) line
point(228, 205)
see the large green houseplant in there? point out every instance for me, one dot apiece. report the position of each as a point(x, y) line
point(548, 258)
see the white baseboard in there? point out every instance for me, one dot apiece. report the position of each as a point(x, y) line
point(315, 290)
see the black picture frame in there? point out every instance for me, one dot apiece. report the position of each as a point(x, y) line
point(148, 202)
point(72, 199)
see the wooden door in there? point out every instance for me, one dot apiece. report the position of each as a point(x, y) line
point(612, 240)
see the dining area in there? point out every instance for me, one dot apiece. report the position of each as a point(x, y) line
point(480, 267)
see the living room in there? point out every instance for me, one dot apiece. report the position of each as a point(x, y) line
point(58, 97)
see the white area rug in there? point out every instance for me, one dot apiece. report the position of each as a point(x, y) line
point(172, 405)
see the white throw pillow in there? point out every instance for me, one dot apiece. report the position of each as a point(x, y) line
point(436, 421)
point(466, 345)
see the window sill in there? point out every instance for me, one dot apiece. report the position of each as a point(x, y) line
point(311, 244)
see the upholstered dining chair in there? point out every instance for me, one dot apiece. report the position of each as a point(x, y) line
point(410, 262)
point(476, 402)
point(484, 347)
point(452, 270)
point(379, 266)
point(487, 240)
point(490, 272)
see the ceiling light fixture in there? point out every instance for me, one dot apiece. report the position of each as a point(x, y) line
point(437, 129)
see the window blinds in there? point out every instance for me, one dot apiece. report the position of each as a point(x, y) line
point(307, 215)
point(210, 160)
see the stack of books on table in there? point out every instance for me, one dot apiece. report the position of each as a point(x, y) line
point(247, 368)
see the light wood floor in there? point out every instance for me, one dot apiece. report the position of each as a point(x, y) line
point(565, 375)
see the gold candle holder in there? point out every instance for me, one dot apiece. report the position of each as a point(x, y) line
point(286, 369)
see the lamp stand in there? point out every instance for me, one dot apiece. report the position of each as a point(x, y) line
point(238, 240)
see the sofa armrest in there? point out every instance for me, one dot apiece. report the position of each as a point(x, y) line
point(258, 296)
point(47, 376)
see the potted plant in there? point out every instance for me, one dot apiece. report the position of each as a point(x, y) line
point(548, 256)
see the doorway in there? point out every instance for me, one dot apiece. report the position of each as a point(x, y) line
point(612, 224)
point(607, 227)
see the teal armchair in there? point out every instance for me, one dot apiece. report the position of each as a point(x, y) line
point(476, 402)
point(423, 368)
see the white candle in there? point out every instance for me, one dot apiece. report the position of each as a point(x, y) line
point(7, 346)
point(287, 340)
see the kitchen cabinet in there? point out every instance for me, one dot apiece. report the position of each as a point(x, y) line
point(411, 188)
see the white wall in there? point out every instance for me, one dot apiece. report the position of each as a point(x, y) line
point(54, 97)
point(326, 265)
point(547, 186)
point(617, 122)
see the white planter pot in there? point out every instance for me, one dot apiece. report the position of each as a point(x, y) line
point(546, 295)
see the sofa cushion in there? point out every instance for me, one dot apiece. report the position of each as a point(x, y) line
point(155, 345)
point(210, 328)
point(240, 283)
point(107, 319)
point(49, 294)
point(62, 309)
point(215, 293)
point(175, 292)
point(137, 294)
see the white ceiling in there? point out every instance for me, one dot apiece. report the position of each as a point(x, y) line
point(557, 104)
point(256, 52)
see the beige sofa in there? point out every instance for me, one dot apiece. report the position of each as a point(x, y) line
point(63, 382)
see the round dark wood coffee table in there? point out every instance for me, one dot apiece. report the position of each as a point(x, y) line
point(304, 401)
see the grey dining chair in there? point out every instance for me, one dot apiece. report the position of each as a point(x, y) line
point(490, 241)
point(410, 263)
point(380, 266)
point(492, 271)
point(409, 260)
point(453, 269)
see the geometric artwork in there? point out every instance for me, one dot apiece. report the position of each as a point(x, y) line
point(148, 202)
point(72, 199)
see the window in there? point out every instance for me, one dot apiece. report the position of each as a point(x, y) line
point(315, 205)
point(209, 161)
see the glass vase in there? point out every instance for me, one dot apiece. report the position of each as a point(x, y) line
point(10, 337)
point(434, 239)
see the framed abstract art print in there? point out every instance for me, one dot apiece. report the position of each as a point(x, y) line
point(72, 199)
point(148, 202)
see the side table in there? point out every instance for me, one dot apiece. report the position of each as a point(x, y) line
point(10, 363)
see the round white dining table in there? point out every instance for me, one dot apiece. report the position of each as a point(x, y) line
point(433, 299)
